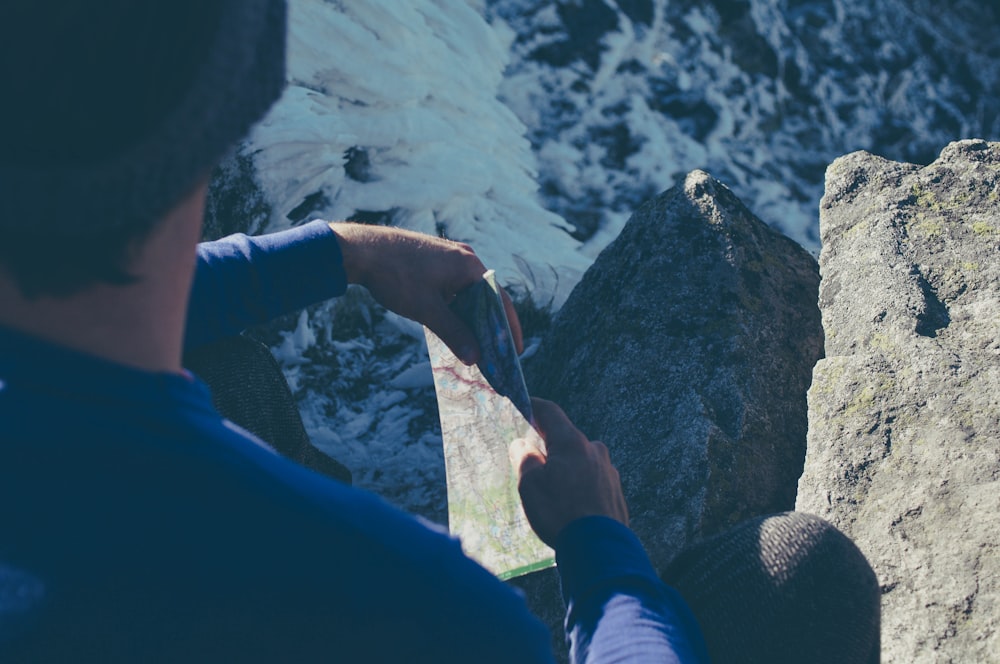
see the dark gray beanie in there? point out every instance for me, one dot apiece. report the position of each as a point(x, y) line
point(242, 75)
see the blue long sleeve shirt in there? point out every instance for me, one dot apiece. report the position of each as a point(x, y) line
point(138, 525)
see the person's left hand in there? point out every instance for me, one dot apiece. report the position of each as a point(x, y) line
point(417, 276)
point(572, 478)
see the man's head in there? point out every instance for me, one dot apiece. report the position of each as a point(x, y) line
point(113, 112)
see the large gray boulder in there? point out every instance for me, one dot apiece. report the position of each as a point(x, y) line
point(687, 349)
point(904, 412)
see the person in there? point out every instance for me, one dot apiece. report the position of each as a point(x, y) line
point(137, 524)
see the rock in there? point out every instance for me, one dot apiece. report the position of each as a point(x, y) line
point(687, 349)
point(904, 412)
point(235, 202)
point(694, 370)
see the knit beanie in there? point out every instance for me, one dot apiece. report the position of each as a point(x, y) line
point(130, 187)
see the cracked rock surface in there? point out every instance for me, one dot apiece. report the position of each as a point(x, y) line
point(904, 413)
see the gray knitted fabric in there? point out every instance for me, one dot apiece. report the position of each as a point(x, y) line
point(249, 389)
point(243, 75)
point(783, 588)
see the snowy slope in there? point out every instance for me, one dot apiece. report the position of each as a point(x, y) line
point(623, 97)
point(392, 112)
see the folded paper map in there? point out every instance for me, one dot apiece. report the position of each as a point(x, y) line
point(483, 409)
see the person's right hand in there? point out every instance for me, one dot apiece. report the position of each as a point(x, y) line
point(571, 479)
point(417, 276)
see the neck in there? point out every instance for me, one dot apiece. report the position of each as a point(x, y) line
point(139, 325)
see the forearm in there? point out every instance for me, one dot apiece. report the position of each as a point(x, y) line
point(617, 607)
point(241, 281)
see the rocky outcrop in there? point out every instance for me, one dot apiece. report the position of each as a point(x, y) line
point(687, 349)
point(904, 412)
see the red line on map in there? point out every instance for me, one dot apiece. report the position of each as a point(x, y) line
point(462, 379)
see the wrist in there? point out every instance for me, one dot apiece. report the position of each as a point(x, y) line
point(353, 248)
point(593, 549)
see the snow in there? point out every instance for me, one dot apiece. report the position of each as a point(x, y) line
point(414, 85)
point(291, 350)
point(418, 375)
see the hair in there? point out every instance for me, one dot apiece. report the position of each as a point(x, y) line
point(84, 81)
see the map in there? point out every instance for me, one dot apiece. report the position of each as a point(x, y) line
point(483, 409)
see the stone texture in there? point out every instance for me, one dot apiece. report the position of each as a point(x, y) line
point(687, 348)
point(904, 412)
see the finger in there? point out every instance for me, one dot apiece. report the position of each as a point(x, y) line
point(453, 332)
point(462, 266)
point(525, 457)
point(513, 321)
point(555, 427)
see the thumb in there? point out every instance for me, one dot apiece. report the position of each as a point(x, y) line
point(443, 322)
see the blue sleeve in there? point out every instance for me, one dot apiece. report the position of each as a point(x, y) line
point(618, 609)
point(241, 281)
